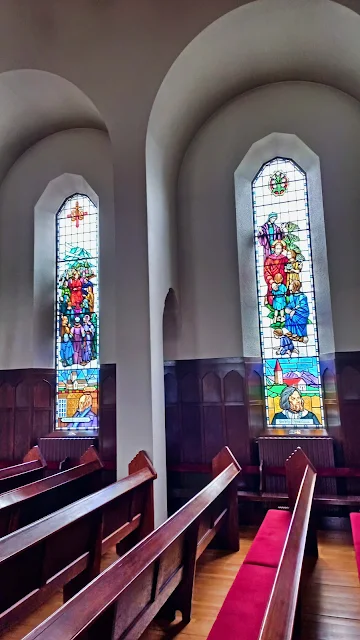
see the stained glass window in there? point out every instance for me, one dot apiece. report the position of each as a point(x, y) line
point(77, 315)
point(286, 297)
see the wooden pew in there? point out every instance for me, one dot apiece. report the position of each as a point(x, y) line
point(262, 600)
point(64, 549)
point(156, 576)
point(27, 504)
point(279, 619)
point(29, 470)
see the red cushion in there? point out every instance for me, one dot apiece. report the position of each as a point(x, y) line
point(268, 544)
point(355, 528)
point(243, 611)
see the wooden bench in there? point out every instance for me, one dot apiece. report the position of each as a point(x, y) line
point(156, 576)
point(64, 549)
point(262, 601)
point(29, 470)
point(36, 500)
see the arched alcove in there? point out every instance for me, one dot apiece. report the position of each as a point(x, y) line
point(286, 146)
point(46, 208)
point(294, 41)
point(35, 104)
point(44, 122)
point(170, 325)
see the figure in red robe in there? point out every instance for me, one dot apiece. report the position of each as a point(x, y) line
point(76, 295)
point(275, 263)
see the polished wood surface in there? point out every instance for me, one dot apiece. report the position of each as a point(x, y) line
point(27, 407)
point(29, 470)
point(279, 619)
point(296, 465)
point(27, 504)
point(157, 575)
point(330, 602)
point(65, 548)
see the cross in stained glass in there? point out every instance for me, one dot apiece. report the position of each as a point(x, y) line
point(77, 214)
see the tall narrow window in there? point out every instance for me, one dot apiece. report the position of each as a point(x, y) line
point(286, 297)
point(77, 315)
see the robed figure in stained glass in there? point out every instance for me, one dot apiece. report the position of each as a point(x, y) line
point(268, 233)
point(297, 311)
point(293, 409)
point(275, 263)
point(75, 286)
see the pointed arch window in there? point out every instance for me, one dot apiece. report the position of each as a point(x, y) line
point(286, 296)
point(77, 314)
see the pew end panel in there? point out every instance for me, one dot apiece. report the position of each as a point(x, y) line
point(31, 469)
point(145, 503)
point(35, 454)
point(26, 504)
point(139, 510)
point(222, 518)
point(142, 461)
point(295, 467)
point(91, 455)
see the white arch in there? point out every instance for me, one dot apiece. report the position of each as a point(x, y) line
point(49, 203)
point(312, 40)
point(35, 104)
point(260, 42)
point(255, 44)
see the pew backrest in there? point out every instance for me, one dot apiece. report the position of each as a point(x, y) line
point(156, 574)
point(31, 502)
point(64, 549)
point(278, 623)
point(29, 470)
point(295, 467)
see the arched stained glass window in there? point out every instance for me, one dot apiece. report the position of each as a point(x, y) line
point(286, 297)
point(77, 314)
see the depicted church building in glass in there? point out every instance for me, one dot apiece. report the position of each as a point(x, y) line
point(286, 297)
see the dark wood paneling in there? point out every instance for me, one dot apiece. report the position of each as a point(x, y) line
point(331, 403)
point(213, 430)
point(237, 436)
point(192, 436)
point(27, 398)
point(107, 415)
point(173, 434)
point(274, 450)
point(27, 409)
point(7, 406)
point(348, 384)
point(207, 407)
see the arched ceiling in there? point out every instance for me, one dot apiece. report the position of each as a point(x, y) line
point(35, 104)
point(258, 43)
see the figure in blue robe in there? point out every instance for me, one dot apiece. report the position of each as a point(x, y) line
point(286, 345)
point(66, 351)
point(297, 311)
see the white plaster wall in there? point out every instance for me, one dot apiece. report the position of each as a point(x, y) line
point(325, 119)
point(29, 327)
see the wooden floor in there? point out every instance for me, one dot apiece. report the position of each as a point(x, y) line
point(331, 602)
